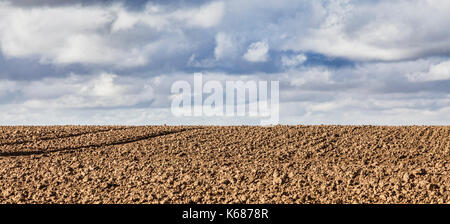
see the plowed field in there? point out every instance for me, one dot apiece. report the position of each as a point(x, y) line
point(203, 164)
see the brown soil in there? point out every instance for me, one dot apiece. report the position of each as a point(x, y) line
point(170, 164)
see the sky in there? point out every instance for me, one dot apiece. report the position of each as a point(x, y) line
point(371, 62)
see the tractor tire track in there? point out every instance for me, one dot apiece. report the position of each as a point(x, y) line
point(223, 165)
point(93, 145)
point(61, 136)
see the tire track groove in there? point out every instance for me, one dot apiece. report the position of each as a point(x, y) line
point(94, 145)
point(61, 137)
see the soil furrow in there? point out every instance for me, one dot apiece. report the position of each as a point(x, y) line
point(94, 145)
point(280, 164)
point(59, 137)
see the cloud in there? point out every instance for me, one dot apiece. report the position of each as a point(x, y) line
point(73, 37)
point(356, 30)
point(338, 61)
point(224, 46)
point(440, 71)
point(206, 16)
point(33, 3)
point(99, 35)
point(162, 18)
point(310, 76)
point(257, 52)
point(293, 61)
point(102, 90)
point(307, 95)
point(378, 30)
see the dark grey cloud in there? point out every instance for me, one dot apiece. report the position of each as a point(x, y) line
point(130, 4)
point(30, 69)
point(56, 3)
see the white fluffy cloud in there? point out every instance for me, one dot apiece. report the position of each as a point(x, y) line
point(292, 61)
point(378, 30)
point(224, 46)
point(94, 34)
point(160, 18)
point(358, 30)
point(82, 91)
point(440, 71)
point(106, 98)
point(257, 52)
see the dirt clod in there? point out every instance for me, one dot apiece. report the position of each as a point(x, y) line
point(194, 164)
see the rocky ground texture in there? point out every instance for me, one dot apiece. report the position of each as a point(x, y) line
point(203, 164)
